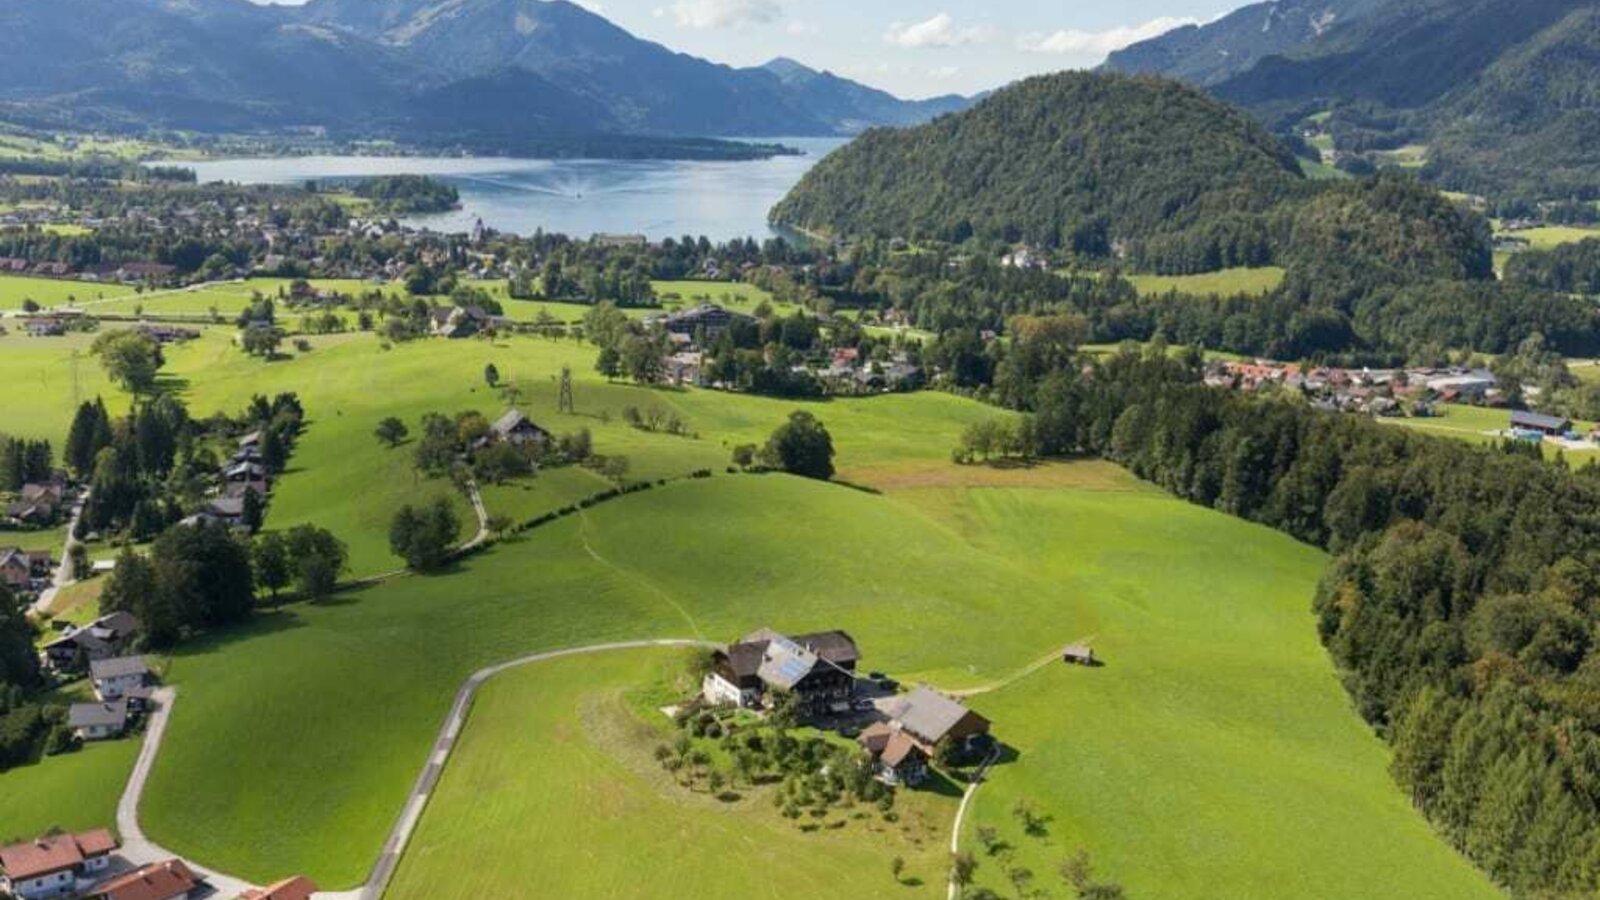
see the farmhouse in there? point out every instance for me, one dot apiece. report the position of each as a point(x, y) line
point(169, 880)
point(297, 888)
point(518, 430)
point(53, 866)
point(933, 719)
point(98, 721)
point(818, 669)
point(460, 321)
point(896, 757)
point(104, 638)
point(1550, 426)
point(115, 678)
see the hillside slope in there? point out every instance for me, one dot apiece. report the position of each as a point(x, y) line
point(1072, 160)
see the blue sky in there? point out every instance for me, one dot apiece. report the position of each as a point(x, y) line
point(914, 48)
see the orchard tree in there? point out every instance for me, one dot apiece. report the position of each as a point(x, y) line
point(391, 431)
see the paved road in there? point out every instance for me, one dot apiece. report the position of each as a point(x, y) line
point(139, 849)
point(64, 566)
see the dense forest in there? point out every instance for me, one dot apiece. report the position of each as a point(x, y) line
point(1461, 605)
point(405, 195)
point(1569, 268)
point(1074, 161)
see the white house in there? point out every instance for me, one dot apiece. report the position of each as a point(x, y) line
point(98, 721)
point(54, 866)
point(114, 678)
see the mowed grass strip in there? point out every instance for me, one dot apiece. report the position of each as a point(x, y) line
point(1226, 283)
point(1214, 754)
point(553, 781)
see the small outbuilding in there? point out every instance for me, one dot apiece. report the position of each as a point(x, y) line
point(1079, 655)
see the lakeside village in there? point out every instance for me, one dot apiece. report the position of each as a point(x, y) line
point(1418, 393)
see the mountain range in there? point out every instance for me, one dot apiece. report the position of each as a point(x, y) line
point(1501, 91)
point(471, 71)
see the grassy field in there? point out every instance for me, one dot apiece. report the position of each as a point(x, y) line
point(1206, 616)
point(1225, 283)
point(595, 791)
point(1214, 755)
point(51, 292)
point(1552, 236)
point(74, 792)
point(46, 379)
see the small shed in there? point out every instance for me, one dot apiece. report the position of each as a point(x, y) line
point(1079, 655)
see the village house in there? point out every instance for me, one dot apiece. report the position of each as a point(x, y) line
point(934, 720)
point(98, 721)
point(818, 669)
point(56, 865)
point(105, 638)
point(16, 568)
point(119, 677)
point(1024, 257)
point(37, 505)
point(297, 888)
point(169, 880)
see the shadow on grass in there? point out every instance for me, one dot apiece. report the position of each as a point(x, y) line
point(261, 624)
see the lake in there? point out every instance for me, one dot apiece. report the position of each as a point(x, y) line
point(581, 197)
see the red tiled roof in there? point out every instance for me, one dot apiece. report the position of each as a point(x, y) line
point(157, 881)
point(297, 888)
point(54, 853)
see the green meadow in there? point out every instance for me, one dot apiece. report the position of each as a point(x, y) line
point(1214, 756)
point(1227, 282)
point(15, 290)
point(595, 794)
point(72, 792)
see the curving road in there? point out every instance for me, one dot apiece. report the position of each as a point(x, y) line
point(139, 849)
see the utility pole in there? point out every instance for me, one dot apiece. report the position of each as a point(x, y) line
point(564, 402)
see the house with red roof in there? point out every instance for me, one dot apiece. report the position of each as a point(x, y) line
point(55, 865)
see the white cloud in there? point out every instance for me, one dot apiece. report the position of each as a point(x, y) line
point(1075, 42)
point(591, 6)
point(939, 31)
point(798, 28)
point(725, 13)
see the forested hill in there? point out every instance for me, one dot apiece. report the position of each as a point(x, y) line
point(1072, 160)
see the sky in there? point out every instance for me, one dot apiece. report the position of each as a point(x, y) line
point(913, 48)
